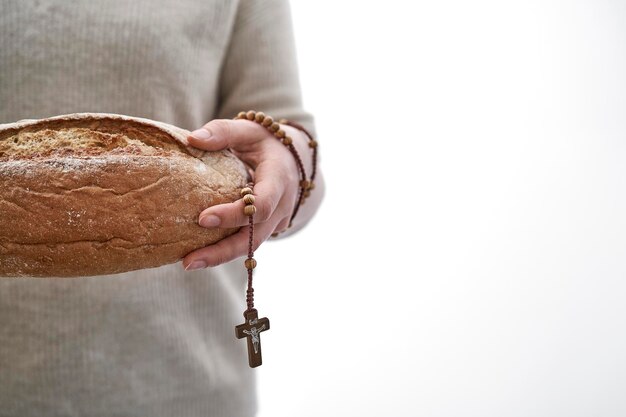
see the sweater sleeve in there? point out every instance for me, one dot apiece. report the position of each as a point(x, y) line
point(260, 70)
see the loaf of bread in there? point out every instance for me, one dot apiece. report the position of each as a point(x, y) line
point(92, 194)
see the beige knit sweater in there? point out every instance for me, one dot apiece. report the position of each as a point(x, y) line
point(156, 342)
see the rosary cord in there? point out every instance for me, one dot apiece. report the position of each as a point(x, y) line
point(300, 199)
point(312, 143)
point(250, 290)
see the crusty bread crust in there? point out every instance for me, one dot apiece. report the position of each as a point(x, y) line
point(93, 194)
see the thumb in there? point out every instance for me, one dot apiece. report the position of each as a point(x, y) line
point(210, 137)
point(223, 133)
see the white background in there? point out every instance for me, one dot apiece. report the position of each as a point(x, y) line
point(469, 258)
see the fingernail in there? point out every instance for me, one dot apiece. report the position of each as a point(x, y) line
point(195, 265)
point(202, 134)
point(209, 221)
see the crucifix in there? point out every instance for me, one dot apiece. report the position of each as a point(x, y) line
point(252, 329)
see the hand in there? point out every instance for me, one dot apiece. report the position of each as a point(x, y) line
point(275, 189)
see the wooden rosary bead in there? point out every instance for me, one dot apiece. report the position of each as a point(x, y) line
point(246, 191)
point(275, 127)
point(268, 121)
point(280, 133)
point(287, 140)
point(260, 116)
point(250, 263)
point(248, 199)
point(251, 115)
point(249, 210)
point(313, 144)
point(241, 115)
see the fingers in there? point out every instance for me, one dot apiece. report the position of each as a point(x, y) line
point(271, 216)
point(267, 194)
point(283, 225)
point(223, 133)
point(229, 248)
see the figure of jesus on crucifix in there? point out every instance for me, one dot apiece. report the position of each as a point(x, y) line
point(254, 334)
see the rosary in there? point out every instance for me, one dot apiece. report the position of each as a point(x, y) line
point(253, 326)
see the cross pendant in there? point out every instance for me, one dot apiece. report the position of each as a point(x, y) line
point(252, 329)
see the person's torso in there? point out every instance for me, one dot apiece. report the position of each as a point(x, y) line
point(151, 342)
point(154, 59)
